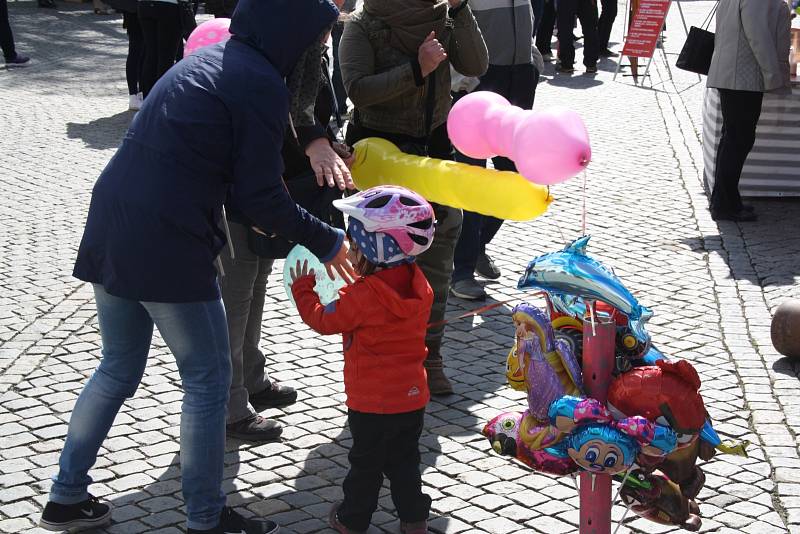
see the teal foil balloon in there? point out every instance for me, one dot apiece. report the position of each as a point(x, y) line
point(327, 289)
point(571, 277)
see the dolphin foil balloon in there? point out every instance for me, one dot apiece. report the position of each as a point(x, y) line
point(571, 274)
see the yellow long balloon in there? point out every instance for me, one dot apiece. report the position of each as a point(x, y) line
point(501, 194)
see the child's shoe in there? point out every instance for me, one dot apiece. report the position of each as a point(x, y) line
point(418, 527)
point(335, 524)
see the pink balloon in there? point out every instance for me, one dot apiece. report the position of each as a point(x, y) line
point(551, 146)
point(466, 123)
point(208, 33)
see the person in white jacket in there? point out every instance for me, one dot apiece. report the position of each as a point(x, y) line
point(751, 57)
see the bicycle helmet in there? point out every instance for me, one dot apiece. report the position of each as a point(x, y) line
point(397, 212)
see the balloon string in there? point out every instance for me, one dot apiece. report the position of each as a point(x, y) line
point(477, 311)
point(583, 211)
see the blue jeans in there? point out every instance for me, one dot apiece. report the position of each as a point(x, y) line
point(197, 334)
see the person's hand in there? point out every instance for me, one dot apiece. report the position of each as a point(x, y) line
point(341, 265)
point(328, 166)
point(454, 3)
point(430, 54)
point(347, 154)
point(300, 271)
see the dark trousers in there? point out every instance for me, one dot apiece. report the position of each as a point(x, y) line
point(133, 64)
point(338, 83)
point(538, 11)
point(161, 28)
point(740, 113)
point(518, 84)
point(606, 22)
point(384, 445)
point(586, 11)
point(544, 32)
point(6, 37)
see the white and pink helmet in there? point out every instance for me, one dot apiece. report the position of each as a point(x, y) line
point(395, 211)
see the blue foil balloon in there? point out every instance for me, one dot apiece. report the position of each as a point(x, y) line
point(571, 274)
point(327, 289)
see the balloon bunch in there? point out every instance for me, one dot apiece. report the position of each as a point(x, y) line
point(547, 147)
point(654, 426)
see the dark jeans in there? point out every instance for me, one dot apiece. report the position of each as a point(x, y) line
point(161, 28)
point(740, 113)
point(6, 37)
point(384, 444)
point(586, 10)
point(133, 64)
point(606, 22)
point(544, 32)
point(518, 84)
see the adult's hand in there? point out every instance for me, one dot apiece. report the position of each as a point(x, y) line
point(341, 265)
point(347, 154)
point(328, 166)
point(430, 54)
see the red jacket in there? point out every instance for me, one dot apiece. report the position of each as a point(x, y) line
point(383, 319)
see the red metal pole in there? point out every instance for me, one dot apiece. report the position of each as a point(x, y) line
point(598, 363)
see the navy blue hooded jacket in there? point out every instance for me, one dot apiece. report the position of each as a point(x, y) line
point(213, 122)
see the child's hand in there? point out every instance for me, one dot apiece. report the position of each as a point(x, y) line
point(300, 271)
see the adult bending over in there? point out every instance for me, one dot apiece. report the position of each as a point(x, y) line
point(751, 56)
point(215, 122)
point(395, 57)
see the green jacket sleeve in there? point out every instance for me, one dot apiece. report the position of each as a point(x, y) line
point(357, 61)
point(467, 50)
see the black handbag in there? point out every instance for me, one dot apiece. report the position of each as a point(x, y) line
point(315, 199)
point(698, 49)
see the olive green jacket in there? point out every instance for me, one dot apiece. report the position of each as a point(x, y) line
point(386, 86)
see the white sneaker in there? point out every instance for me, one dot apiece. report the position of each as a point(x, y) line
point(135, 102)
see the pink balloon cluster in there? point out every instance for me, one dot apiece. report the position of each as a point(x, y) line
point(208, 33)
point(547, 147)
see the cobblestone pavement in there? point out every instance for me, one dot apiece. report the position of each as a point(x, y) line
point(712, 288)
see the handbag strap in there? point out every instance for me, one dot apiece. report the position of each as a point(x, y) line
point(709, 18)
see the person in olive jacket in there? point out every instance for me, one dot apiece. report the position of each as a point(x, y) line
point(395, 57)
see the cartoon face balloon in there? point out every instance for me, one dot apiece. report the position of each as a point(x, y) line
point(602, 449)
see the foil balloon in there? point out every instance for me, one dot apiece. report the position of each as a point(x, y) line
point(501, 194)
point(571, 272)
point(326, 288)
point(598, 443)
point(208, 33)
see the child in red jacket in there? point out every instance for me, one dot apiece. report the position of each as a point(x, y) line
point(383, 317)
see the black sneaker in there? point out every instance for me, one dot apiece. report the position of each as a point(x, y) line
point(254, 428)
point(231, 522)
point(468, 289)
point(592, 69)
point(17, 61)
point(275, 395)
point(87, 514)
point(486, 267)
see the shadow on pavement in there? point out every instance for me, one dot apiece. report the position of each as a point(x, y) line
point(102, 133)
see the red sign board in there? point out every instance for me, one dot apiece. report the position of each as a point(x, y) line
point(645, 27)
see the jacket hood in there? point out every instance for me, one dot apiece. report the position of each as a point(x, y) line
point(282, 29)
point(401, 305)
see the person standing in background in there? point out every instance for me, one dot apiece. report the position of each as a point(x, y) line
point(396, 57)
point(133, 63)
point(586, 11)
point(751, 57)
point(514, 69)
point(544, 30)
point(604, 26)
point(13, 59)
point(161, 28)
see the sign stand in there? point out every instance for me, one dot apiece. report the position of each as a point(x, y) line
point(644, 35)
point(599, 334)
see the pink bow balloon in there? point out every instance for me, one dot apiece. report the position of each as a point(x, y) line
point(208, 33)
point(547, 147)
